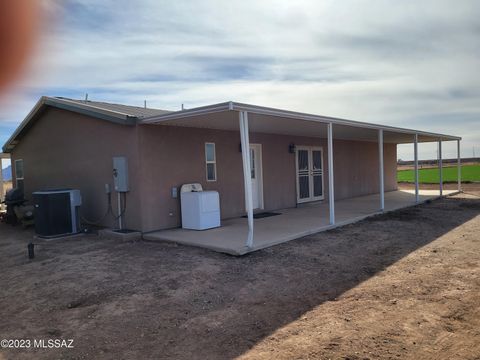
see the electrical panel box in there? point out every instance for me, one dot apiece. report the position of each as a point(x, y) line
point(120, 174)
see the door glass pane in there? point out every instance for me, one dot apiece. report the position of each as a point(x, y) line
point(302, 159)
point(304, 187)
point(252, 163)
point(317, 185)
point(317, 159)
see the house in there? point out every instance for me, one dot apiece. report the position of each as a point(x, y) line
point(306, 167)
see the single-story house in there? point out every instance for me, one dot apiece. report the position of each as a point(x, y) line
point(314, 170)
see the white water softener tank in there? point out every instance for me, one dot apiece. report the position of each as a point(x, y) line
point(200, 209)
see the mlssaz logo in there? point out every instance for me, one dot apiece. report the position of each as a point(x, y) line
point(53, 343)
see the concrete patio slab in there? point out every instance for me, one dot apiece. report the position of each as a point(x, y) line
point(293, 223)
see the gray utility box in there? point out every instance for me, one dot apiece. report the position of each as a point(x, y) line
point(120, 174)
point(57, 212)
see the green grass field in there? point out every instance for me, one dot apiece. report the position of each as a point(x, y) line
point(431, 176)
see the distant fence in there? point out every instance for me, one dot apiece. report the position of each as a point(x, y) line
point(435, 161)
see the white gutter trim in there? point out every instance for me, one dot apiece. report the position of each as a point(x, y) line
point(233, 106)
point(187, 113)
point(337, 121)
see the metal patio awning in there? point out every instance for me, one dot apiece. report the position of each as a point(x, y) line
point(247, 118)
point(224, 116)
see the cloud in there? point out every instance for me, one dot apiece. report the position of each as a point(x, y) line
point(411, 64)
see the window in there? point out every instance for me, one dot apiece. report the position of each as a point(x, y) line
point(252, 163)
point(19, 174)
point(211, 162)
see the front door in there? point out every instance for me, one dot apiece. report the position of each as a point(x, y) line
point(309, 161)
point(256, 174)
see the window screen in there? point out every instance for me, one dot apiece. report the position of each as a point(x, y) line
point(211, 162)
point(19, 176)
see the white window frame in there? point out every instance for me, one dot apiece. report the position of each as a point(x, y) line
point(16, 173)
point(214, 162)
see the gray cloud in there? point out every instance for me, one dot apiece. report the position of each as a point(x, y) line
point(407, 63)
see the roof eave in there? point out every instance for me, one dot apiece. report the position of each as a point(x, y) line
point(326, 119)
point(112, 116)
point(209, 109)
point(8, 146)
point(234, 106)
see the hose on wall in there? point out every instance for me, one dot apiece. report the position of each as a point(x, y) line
point(99, 220)
point(109, 211)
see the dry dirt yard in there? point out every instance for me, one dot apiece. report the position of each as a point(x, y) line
point(404, 285)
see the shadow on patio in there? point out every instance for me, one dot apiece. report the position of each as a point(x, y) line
point(292, 223)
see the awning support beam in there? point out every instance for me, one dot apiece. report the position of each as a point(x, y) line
point(247, 179)
point(415, 152)
point(459, 167)
point(440, 166)
point(331, 192)
point(381, 172)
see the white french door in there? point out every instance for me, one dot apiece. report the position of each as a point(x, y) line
point(309, 163)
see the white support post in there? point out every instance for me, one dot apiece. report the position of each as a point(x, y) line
point(247, 177)
point(381, 173)
point(440, 166)
point(415, 152)
point(331, 192)
point(459, 167)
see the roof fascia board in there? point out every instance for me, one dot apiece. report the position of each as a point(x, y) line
point(87, 106)
point(7, 146)
point(210, 109)
point(233, 106)
point(325, 119)
point(111, 116)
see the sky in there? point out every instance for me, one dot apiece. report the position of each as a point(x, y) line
point(411, 64)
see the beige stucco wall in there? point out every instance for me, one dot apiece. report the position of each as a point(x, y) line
point(65, 149)
point(68, 150)
point(172, 156)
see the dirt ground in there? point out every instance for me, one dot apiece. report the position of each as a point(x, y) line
point(404, 285)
